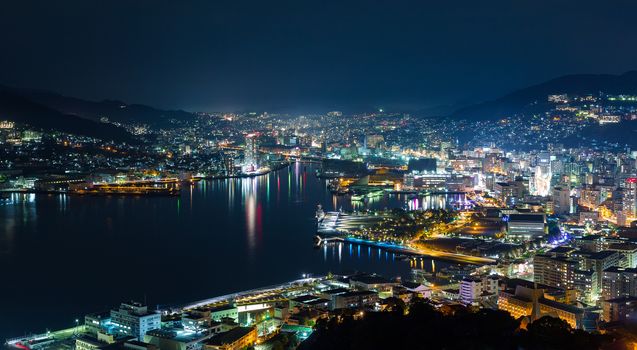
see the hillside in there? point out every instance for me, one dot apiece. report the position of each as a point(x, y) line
point(17, 108)
point(114, 110)
point(534, 99)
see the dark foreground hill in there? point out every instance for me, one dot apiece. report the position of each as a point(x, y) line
point(425, 327)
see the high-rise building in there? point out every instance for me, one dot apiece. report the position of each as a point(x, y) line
point(619, 282)
point(629, 197)
point(541, 184)
point(600, 261)
point(557, 268)
point(628, 251)
point(561, 200)
point(620, 310)
point(251, 153)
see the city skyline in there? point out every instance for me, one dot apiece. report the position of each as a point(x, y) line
point(309, 175)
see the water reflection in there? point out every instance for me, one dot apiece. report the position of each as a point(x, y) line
point(376, 256)
point(437, 201)
point(264, 226)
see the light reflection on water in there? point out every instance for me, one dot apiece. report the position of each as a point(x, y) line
point(217, 237)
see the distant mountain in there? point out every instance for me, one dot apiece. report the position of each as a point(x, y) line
point(534, 99)
point(114, 110)
point(18, 108)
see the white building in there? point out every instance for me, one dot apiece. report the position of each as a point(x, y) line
point(476, 289)
point(134, 319)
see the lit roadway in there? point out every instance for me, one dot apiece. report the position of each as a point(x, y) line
point(335, 223)
point(426, 253)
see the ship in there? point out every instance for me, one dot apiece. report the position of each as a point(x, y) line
point(358, 197)
point(372, 194)
point(105, 190)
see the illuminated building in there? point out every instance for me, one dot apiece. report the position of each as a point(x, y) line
point(476, 289)
point(422, 166)
point(562, 267)
point(619, 282)
point(355, 299)
point(5, 124)
point(251, 153)
point(588, 217)
point(228, 164)
point(557, 268)
point(629, 198)
point(371, 282)
point(199, 320)
point(562, 200)
point(600, 261)
point(526, 226)
point(177, 339)
point(576, 317)
point(31, 136)
point(226, 311)
point(608, 119)
point(373, 141)
point(628, 251)
point(558, 98)
point(522, 298)
point(510, 192)
point(234, 339)
point(95, 323)
point(87, 343)
point(134, 319)
point(309, 301)
point(620, 310)
point(541, 181)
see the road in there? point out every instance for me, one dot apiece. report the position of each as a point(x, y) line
point(426, 253)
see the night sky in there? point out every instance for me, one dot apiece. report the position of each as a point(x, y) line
point(305, 56)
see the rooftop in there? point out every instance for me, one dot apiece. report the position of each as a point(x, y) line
point(618, 269)
point(230, 336)
point(539, 218)
point(604, 254)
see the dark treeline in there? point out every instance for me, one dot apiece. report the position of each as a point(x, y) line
point(424, 327)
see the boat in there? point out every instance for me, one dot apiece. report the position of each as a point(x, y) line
point(358, 197)
point(128, 191)
point(375, 194)
point(368, 195)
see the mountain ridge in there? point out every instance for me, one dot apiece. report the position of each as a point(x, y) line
point(114, 110)
point(17, 108)
point(534, 98)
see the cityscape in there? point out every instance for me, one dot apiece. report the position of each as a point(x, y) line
point(293, 209)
